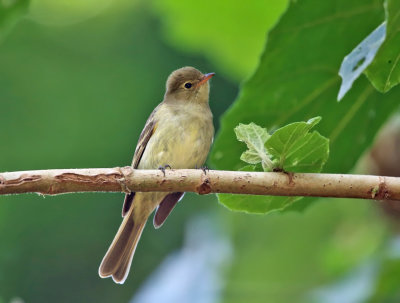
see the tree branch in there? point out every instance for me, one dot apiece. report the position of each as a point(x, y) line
point(126, 179)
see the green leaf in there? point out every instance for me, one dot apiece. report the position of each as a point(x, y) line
point(384, 71)
point(298, 150)
point(255, 137)
point(230, 34)
point(291, 147)
point(248, 168)
point(294, 148)
point(10, 13)
point(297, 79)
point(255, 204)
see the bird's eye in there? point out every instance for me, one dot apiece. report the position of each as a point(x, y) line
point(188, 85)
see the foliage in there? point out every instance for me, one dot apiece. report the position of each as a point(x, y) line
point(291, 148)
point(297, 78)
point(384, 71)
point(255, 138)
point(295, 149)
point(78, 95)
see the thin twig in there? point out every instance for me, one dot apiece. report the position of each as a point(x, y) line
point(126, 179)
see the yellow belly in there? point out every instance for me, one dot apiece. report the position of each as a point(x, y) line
point(181, 142)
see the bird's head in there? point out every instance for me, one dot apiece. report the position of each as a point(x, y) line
point(188, 84)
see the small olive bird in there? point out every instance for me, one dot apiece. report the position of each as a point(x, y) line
point(178, 134)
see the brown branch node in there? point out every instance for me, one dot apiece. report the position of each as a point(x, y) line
point(382, 193)
point(291, 178)
point(204, 188)
point(122, 180)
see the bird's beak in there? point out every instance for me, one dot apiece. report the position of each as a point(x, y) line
point(205, 79)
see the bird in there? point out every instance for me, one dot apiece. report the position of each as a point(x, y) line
point(178, 134)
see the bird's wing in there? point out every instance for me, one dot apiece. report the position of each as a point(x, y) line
point(144, 138)
point(170, 200)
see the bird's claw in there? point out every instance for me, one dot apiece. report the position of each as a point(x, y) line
point(205, 169)
point(162, 168)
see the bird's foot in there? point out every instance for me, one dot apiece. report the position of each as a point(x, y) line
point(205, 169)
point(163, 168)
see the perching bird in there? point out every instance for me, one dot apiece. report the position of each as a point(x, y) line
point(178, 134)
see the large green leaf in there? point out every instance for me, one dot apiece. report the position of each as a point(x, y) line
point(298, 78)
point(384, 71)
point(230, 34)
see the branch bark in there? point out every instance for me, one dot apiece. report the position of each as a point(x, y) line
point(126, 179)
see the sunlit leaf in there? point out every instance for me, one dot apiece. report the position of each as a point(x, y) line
point(255, 137)
point(292, 147)
point(384, 71)
point(360, 57)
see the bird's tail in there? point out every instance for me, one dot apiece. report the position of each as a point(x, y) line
point(117, 261)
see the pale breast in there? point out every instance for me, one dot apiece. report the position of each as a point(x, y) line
point(182, 139)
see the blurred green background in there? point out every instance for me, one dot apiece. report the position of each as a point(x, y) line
point(78, 80)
